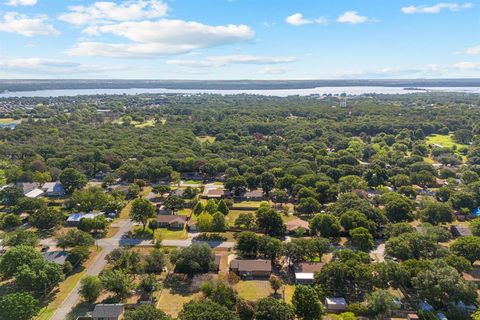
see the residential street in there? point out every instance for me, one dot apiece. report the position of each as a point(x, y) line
point(108, 245)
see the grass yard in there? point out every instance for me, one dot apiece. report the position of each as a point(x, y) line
point(254, 290)
point(145, 124)
point(248, 204)
point(9, 121)
point(165, 234)
point(125, 213)
point(193, 182)
point(445, 140)
point(173, 297)
point(203, 139)
point(65, 288)
point(289, 290)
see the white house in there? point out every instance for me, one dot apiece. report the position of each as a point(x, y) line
point(335, 304)
point(53, 189)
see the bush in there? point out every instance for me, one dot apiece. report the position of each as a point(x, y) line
point(210, 237)
point(358, 309)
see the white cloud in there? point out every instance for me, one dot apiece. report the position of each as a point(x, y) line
point(14, 22)
point(297, 19)
point(105, 12)
point(50, 66)
point(21, 3)
point(272, 70)
point(162, 37)
point(220, 61)
point(436, 8)
point(467, 65)
point(352, 17)
point(473, 50)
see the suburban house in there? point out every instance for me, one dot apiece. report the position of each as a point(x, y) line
point(214, 194)
point(29, 189)
point(172, 221)
point(251, 268)
point(153, 197)
point(178, 192)
point(59, 257)
point(413, 316)
point(305, 271)
point(163, 210)
point(74, 219)
point(192, 226)
point(108, 312)
point(53, 189)
point(335, 304)
point(460, 231)
point(294, 225)
point(254, 195)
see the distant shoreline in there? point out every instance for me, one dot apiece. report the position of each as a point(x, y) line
point(36, 84)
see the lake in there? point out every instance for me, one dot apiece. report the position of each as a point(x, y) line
point(279, 93)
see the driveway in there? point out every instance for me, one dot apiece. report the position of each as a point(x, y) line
point(107, 245)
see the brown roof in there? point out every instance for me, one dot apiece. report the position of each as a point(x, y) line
point(308, 267)
point(461, 230)
point(251, 265)
point(171, 218)
point(297, 223)
point(215, 193)
point(254, 194)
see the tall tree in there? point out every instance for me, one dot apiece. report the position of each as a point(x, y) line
point(142, 210)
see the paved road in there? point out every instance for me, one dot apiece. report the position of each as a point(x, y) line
point(107, 245)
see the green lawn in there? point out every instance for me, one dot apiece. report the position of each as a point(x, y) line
point(166, 234)
point(445, 140)
point(9, 121)
point(203, 139)
point(148, 123)
point(250, 204)
point(193, 182)
point(254, 290)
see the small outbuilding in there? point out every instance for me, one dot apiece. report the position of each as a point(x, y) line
point(335, 304)
point(108, 311)
point(305, 271)
point(53, 189)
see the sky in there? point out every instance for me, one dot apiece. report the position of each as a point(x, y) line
point(239, 39)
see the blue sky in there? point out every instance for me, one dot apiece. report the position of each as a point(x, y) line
point(239, 39)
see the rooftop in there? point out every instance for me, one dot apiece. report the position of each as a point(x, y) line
point(107, 310)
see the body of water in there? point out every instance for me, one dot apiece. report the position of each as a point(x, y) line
point(273, 92)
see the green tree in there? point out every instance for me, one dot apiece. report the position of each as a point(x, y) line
point(245, 221)
point(306, 302)
point(308, 205)
point(205, 310)
point(273, 309)
point(467, 247)
point(155, 261)
point(20, 237)
point(398, 209)
point(142, 210)
point(327, 225)
point(381, 303)
point(275, 282)
point(72, 180)
point(145, 312)
point(435, 212)
point(46, 218)
point(75, 238)
point(267, 181)
point(198, 208)
point(78, 255)
point(247, 244)
point(220, 292)
point(11, 196)
point(195, 259)
point(222, 207)
point(218, 222)
point(211, 206)
point(90, 288)
point(117, 281)
point(270, 221)
point(38, 276)
point(204, 222)
point(475, 227)
point(362, 238)
point(174, 203)
point(18, 306)
point(16, 257)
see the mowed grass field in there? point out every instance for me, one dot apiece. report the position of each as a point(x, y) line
point(445, 140)
point(9, 121)
point(203, 139)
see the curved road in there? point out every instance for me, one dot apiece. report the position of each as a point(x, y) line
point(108, 245)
